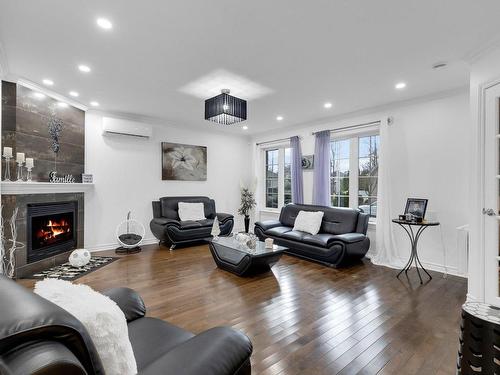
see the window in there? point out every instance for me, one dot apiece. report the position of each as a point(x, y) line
point(368, 174)
point(354, 173)
point(278, 177)
point(339, 172)
point(272, 170)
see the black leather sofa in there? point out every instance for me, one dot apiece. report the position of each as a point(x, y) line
point(342, 236)
point(38, 337)
point(169, 229)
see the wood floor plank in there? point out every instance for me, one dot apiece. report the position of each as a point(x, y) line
point(303, 318)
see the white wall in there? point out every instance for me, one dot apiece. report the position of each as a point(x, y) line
point(127, 176)
point(484, 69)
point(429, 159)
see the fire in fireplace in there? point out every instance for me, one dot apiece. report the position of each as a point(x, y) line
point(51, 229)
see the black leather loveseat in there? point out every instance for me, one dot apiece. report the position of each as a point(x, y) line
point(167, 227)
point(342, 236)
point(38, 337)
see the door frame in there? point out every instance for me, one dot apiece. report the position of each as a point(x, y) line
point(479, 203)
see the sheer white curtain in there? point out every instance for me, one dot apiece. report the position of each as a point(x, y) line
point(384, 252)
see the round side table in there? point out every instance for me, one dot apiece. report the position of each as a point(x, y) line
point(479, 343)
point(414, 236)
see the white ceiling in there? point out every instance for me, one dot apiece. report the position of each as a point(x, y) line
point(307, 52)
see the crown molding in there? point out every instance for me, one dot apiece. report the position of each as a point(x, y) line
point(484, 50)
point(33, 86)
point(367, 111)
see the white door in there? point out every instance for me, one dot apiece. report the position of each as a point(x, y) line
point(491, 210)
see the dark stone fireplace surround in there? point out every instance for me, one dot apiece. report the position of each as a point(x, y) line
point(23, 267)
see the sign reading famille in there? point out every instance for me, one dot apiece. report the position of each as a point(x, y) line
point(67, 179)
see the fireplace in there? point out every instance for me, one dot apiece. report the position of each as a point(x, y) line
point(51, 229)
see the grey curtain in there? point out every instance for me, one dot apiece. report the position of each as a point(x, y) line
point(297, 180)
point(321, 177)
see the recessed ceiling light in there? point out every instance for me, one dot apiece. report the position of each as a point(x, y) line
point(104, 23)
point(48, 82)
point(244, 127)
point(62, 104)
point(84, 68)
point(400, 85)
point(39, 95)
point(94, 104)
point(279, 118)
point(327, 105)
point(74, 93)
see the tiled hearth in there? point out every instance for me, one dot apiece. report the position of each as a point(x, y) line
point(10, 201)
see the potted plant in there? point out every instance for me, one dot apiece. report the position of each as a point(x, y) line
point(246, 205)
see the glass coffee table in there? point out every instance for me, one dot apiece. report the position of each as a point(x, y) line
point(238, 258)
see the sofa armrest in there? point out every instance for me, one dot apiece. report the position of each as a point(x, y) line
point(217, 351)
point(362, 226)
point(42, 357)
point(268, 224)
point(222, 217)
point(156, 209)
point(163, 221)
point(129, 301)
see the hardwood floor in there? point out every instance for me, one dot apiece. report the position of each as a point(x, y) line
point(303, 318)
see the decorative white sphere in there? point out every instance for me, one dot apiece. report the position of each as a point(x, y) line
point(79, 257)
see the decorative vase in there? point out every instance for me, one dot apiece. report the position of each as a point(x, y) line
point(247, 223)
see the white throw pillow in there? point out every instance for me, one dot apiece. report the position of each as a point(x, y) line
point(191, 211)
point(101, 317)
point(308, 221)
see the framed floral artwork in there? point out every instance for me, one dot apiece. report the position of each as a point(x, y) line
point(183, 162)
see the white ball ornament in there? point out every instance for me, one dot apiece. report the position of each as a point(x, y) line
point(79, 257)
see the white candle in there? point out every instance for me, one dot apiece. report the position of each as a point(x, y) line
point(20, 157)
point(29, 163)
point(7, 152)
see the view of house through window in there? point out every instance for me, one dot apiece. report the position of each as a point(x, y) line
point(354, 173)
point(368, 174)
point(278, 177)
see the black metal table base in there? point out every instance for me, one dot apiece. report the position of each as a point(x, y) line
point(414, 237)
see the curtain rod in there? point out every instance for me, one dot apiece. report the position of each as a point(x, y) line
point(366, 124)
point(274, 140)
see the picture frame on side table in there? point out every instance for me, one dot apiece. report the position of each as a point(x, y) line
point(416, 207)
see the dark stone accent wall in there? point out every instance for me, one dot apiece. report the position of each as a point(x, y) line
point(9, 202)
point(25, 128)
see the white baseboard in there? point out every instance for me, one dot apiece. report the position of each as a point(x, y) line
point(114, 245)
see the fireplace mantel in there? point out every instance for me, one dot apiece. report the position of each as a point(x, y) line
point(17, 188)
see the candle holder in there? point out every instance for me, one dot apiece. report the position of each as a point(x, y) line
point(7, 168)
point(20, 171)
point(28, 174)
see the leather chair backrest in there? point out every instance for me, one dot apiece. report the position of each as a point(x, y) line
point(336, 220)
point(170, 206)
point(26, 317)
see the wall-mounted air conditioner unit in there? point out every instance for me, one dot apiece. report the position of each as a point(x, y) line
point(111, 126)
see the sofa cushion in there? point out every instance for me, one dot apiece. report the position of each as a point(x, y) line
point(278, 231)
point(295, 235)
point(151, 338)
point(170, 206)
point(189, 224)
point(350, 237)
point(336, 220)
point(206, 222)
point(320, 239)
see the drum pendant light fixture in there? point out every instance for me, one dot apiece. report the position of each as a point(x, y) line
point(225, 109)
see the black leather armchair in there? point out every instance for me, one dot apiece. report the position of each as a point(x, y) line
point(38, 337)
point(169, 229)
point(342, 235)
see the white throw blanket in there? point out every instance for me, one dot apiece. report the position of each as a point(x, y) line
point(103, 319)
